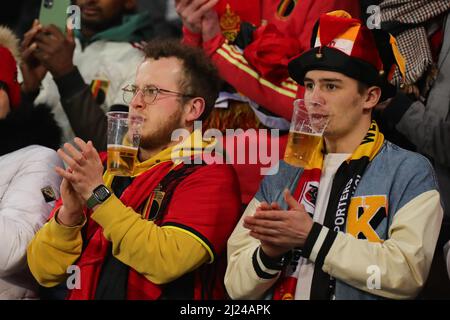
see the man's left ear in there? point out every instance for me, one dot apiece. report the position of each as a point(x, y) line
point(195, 108)
point(372, 97)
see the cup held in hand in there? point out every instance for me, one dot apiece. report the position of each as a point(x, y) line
point(124, 133)
point(309, 121)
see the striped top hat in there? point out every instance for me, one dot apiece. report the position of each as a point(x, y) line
point(343, 44)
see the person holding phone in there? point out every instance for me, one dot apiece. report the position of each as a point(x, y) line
point(80, 74)
point(362, 220)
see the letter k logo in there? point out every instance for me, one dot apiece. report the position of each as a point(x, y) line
point(364, 215)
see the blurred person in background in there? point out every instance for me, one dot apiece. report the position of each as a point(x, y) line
point(81, 74)
point(418, 117)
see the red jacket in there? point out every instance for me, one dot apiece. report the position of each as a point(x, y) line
point(206, 203)
point(260, 71)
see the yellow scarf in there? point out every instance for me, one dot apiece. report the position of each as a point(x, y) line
point(189, 147)
point(356, 163)
point(369, 147)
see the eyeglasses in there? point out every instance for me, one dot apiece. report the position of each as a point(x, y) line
point(150, 93)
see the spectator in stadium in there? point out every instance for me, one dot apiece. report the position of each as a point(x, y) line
point(87, 67)
point(417, 118)
point(162, 233)
point(373, 208)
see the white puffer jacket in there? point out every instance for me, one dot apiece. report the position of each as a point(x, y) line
point(23, 211)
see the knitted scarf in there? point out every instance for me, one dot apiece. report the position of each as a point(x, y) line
point(345, 182)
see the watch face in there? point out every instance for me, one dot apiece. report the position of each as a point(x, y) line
point(102, 193)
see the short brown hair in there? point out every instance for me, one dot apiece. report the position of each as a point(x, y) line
point(200, 76)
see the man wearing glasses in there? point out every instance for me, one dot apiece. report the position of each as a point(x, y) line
point(161, 233)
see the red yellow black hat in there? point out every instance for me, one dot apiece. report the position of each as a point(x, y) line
point(343, 44)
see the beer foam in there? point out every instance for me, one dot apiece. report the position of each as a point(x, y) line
point(117, 146)
point(307, 133)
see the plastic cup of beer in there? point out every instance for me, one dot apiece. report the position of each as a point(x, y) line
point(124, 134)
point(308, 124)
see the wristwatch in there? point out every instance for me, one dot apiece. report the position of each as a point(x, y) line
point(99, 195)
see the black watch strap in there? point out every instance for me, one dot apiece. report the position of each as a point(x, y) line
point(99, 195)
point(272, 263)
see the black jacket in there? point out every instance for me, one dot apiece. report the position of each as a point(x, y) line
point(29, 125)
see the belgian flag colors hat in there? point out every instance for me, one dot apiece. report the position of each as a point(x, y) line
point(343, 44)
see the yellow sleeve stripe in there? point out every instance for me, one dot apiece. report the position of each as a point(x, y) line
point(244, 67)
point(196, 237)
point(235, 53)
point(232, 51)
point(289, 83)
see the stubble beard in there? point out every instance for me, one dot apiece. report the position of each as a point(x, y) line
point(160, 138)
